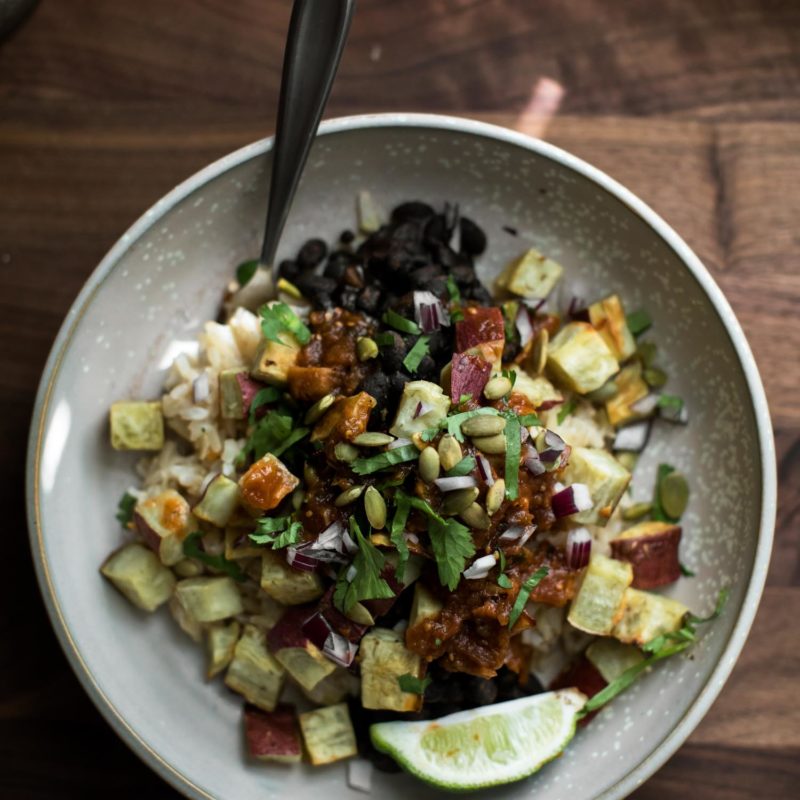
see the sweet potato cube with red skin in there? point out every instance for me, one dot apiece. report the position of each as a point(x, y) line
point(652, 550)
point(585, 677)
point(345, 419)
point(468, 375)
point(309, 384)
point(266, 483)
point(273, 735)
point(482, 332)
point(295, 651)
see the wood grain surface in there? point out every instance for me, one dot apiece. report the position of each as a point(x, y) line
point(695, 106)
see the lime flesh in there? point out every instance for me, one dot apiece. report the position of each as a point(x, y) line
point(485, 746)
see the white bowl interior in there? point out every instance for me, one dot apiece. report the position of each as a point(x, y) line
point(167, 278)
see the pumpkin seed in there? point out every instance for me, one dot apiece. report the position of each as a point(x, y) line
point(373, 439)
point(608, 391)
point(319, 408)
point(449, 452)
point(637, 511)
point(655, 377)
point(647, 352)
point(539, 351)
point(359, 614)
point(429, 464)
point(483, 425)
point(673, 494)
point(345, 452)
point(493, 445)
point(497, 387)
point(298, 496)
point(188, 568)
point(494, 497)
point(459, 500)
point(310, 474)
point(366, 348)
point(375, 506)
point(348, 496)
point(476, 517)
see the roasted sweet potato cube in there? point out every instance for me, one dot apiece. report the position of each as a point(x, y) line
point(468, 375)
point(652, 550)
point(631, 389)
point(346, 419)
point(273, 735)
point(308, 384)
point(266, 483)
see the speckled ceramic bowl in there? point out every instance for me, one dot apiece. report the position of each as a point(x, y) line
point(164, 278)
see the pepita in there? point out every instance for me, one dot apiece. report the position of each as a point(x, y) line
point(359, 613)
point(429, 464)
point(309, 474)
point(449, 452)
point(483, 425)
point(319, 408)
point(345, 452)
point(476, 517)
point(608, 391)
point(655, 377)
point(493, 445)
point(366, 348)
point(539, 351)
point(497, 387)
point(459, 500)
point(298, 496)
point(373, 439)
point(636, 511)
point(348, 496)
point(673, 494)
point(494, 497)
point(375, 507)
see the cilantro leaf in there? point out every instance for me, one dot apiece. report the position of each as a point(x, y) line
point(245, 271)
point(658, 512)
point(452, 545)
point(685, 571)
point(566, 410)
point(394, 320)
point(384, 339)
point(671, 402)
point(504, 582)
point(366, 583)
point(415, 355)
point(524, 593)
point(365, 466)
point(125, 509)
point(638, 321)
point(279, 318)
point(413, 685)
point(277, 532)
point(465, 398)
point(513, 448)
point(396, 531)
point(529, 419)
point(453, 291)
point(263, 396)
point(193, 549)
point(464, 467)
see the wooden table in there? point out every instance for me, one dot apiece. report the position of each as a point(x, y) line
point(695, 106)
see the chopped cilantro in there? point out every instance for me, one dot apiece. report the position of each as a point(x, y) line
point(685, 571)
point(192, 549)
point(279, 318)
point(413, 685)
point(457, 315)
point(504, 582)
point(367, 583)
point(671, 402)
point(658, 512)
point(513, 448)
point(566, 410)
point(529, 419)
point(464, 467)
point(452, 545)
point(465, 398)
point(288, 533)
point(452, 290)
point(394, 320)
point(510, 311)
point(245, 272)
point(415, 355)
point(524, 593)
point(274, 433)
point(638, 321)
point(396, 531)
point(384, 339)
point(263, 396)
point(125, 509)
point(511, 374)
point(365, 466)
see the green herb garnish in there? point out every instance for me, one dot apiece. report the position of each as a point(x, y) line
point(452, 545)
point(513, 449)
point(465, 398)
point(658, 512)
point(366, 466)
point(394, 320)
point(453, 423)
point(453, 291)
point(245, 272)
point(511, 374)
point(263, 396)
point(457, 315)
point(384, 339)
point(566, 410)
point(192, 549)
point(397, 531)
point(367, 583)
point(412, 685)
point(638, 321)
point(125, 509)
point(524, 593)
point(529, 419)
point(288, 533)
point(685, 571)
point(510, 311)
point(671, 402)
point(280, 318)
point(464, 467)
point(415, 355)
point(503, 581)
point(274, 433)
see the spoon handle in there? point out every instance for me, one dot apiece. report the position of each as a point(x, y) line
point(317, 33)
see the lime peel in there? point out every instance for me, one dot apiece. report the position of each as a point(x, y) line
point(486, 746)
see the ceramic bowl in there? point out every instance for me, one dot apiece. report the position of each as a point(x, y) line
point(164, 278)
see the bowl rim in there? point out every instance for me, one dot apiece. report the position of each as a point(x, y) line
point(453, 125)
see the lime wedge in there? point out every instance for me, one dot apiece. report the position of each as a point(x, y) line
point(484, 746)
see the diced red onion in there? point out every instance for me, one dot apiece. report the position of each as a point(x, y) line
point(533, 463)
point(524, 433)
point(317, 629)
point(351, 573)
point(453, 484)
point(534, 305)
point(330, 538)
point(429, 312)
point(479, 568)
point(401, 442)
point(301, 560)
point(579, 548)
point(524, 327)
point(339, 650)
point(201, 388)
point(485, 469)
point(577, 310)
point(421, 409)
point(633, 437)
point(646, 406)
point(411, 537)
point(550, 446)
point(572, 500)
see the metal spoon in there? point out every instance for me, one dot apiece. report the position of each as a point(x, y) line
point(317, 33)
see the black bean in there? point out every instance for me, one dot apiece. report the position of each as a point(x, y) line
point(480, 293)
point(369, 300)
point(289, 270)
point(436, 692)
point(473, 239)
point(427, 370)
point(428, 276)
point(312, 253)
point(392, 355)
point(435, 230)
point(413, 210)
point(445, 709)
point(398, 382)
point(443, 255)
point(317, 288)
point(511, 350)
point(479, 691)
point(335, 268)
point(346, 236)
point(463, 275)
point(347, 297)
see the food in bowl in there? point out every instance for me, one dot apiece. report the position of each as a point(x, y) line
point(390, 497)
